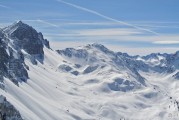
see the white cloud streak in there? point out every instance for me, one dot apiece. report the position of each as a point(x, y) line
point(113, 23)
point(100, 32)
point(166, 42)
point(108, 32)
point(157, 26)
point(107, 35)
point(48, 23)
point(106, 17)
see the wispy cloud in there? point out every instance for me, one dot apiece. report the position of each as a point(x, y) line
point(156, 22)
point(90, 23)
point(42, 21)
point(158, 26)
point(115, 34)
point(106, 17)
point(166, 42)
point(108, 32)
point(112, 23)
point(3, 6)
point(99, 32)
point(102, 23)
point(48, 23)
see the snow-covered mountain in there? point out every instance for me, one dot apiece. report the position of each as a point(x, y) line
point(86, 83)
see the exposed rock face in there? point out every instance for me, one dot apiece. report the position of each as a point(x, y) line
point(123, 85)
point(70, 52)
point(176, 76)
point(14, 40)
point(25, 37)
point(8, 111)
point(3, 59)
point(44, 41)
point(90, 69)
point(64, 68)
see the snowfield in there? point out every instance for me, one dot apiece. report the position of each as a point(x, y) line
point(55, 94)
point(86, 83)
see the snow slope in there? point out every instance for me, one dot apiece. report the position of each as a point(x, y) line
point(94, 83)
point(51, 94)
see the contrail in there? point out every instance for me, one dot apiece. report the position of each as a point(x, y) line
point(48, 23)
point(106, 17)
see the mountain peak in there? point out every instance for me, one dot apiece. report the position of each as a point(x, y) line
point(176, 53)
point(99, 47)
point(96, 45)
point(15, 26)
point(19, 22)
point(26, 37)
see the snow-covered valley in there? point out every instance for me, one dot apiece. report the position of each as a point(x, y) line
point(90, 82)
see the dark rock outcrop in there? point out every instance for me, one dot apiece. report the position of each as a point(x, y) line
point(70, 52)
point(176, 76)
point(3, 59)
point(14, 40)
point(8, 111)
point(25, 37)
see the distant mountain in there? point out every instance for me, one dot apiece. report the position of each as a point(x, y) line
point(88, 82)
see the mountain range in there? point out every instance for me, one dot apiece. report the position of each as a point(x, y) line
point(89, 82)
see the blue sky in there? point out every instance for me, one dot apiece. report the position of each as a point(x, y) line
point(133, 26)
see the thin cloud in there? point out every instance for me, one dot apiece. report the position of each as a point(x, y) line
point(106, 17)
point(108, 32)
point(112, 24)
point(102, 32)
point(3, 6)
point(108, 35)
point(42, 21)
point(48, 23)
point(166, 42)
point(157, 22)
point(90, 23)
point(157, 26)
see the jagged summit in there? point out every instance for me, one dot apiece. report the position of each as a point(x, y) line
point(26, 37)
point(20, 30)
point(19, 23)
point(16, 25)
point(177, 53)
point(96, 45)
point(99, 47)
point(17, 42)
